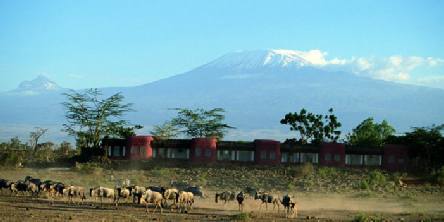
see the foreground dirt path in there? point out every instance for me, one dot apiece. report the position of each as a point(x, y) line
point(23, 208)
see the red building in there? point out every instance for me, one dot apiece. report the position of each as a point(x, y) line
point(203, 150)
point(395, 157)
point(332, 154)
point(140, 147)
point(267, 151)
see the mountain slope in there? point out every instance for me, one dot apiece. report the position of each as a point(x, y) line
point(257, 88)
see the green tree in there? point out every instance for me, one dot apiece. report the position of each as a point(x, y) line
point(200, 122)
point(313, 128)
point(427, 145)
point(370, 134)
point(165, 131)
point(91, 117)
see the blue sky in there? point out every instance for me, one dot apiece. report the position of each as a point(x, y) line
point(82, 44)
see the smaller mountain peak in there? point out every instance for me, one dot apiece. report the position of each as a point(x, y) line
point(36, 86)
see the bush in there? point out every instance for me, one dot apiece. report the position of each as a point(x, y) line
point(241, 216)
point(361, 218)
point(376, 178)
point(89, 168)
point(440, 176)
point(364, 185)
point(305, 169)
point(327, 172)
point(365, 218)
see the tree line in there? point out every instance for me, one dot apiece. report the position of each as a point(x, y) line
point(90, 117)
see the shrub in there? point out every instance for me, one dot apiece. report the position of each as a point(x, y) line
point(305, 169)
point(241, 216)
point(89, 168)
point(440, 176)
point(364, 185)
point(361, 218)
point(376, 178)
point(327, 172)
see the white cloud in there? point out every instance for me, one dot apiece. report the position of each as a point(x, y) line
point(393, 68)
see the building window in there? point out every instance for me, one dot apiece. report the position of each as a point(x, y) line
point(391, 159)
point(327, 157)
point(198, 152)
point(116, 151)
point(208, 153)
point(284, 157)
point(133, 150)
point(353, 159)
point(337, 158)
point(272, 155)
point(372, 160)
point(263, 155)
point(243, 155)
point(161, 153)
point(309, 157)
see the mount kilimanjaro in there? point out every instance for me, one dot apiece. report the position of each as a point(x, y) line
point(256, 88)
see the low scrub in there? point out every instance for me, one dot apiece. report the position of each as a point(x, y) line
point(89, 168)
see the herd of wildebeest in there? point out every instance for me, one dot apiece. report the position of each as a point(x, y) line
point(181, 198)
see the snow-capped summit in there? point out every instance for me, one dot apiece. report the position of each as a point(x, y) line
point(273, 58)
point(36, 86)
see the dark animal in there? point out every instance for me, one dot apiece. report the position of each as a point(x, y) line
point(123, 192)
point(4, 184)
point(266, 199)
point(250, 191)
point(19, 186)
point(225, 196)
point(33, 185)
point(157, 189)
point(197, 191)
point(76, 191)
point(289, 206)
point(240, 197)
point(137, 192)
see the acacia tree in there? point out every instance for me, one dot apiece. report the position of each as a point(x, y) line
point(427, 144)
point(313, 128)
point(34, 137)
point(165, 131)
point(201, 123)
point(370, 134)
point(90, 117)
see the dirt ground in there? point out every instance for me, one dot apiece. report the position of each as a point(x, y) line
point(334, 207)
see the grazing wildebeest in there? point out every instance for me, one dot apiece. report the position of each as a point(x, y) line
point(289, 206)
point(4, 184)
point(123, 192)
point(266, 199)
point(185, 200)
point(19, 186)
point(240, 197)
point(250, 191)
point(196, 190)
point(156, 198)
point(75, 191)
point(137, 193)
point(33, 185)
point(156, 189)
point(103, 192)
point(46, 185)
point(225, 196)
point(171, 194)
